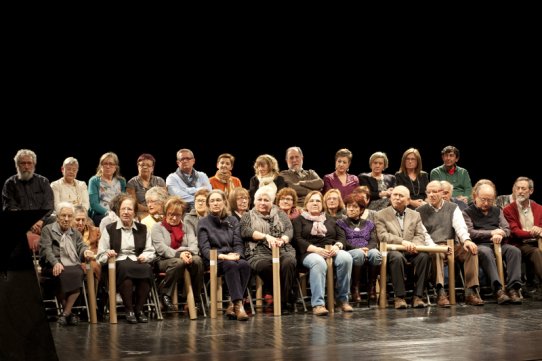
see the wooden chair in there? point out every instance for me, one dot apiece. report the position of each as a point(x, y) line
point(276, 284)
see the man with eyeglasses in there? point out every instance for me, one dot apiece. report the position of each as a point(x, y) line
point(301, 180)
point(27, 190)
point(186, 181)
point(488, 227)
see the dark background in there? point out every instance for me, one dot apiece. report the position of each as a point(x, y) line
point(489, 159)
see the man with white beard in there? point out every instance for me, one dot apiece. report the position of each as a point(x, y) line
point(524, 217)
point(27, 190)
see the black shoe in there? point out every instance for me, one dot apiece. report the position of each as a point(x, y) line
point(73, 320)
point(168, 305)
point(285, 309)
point(130, 317)
point(141, 317)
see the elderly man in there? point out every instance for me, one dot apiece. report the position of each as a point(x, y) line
point(301, 180)
point(525, 219)
point(397, 224)
point(488, 227)
point(443, 220)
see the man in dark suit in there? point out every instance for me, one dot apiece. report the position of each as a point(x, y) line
point(400, 225)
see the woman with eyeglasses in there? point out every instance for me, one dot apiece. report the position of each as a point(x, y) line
point(104, 186)
point(287, 202)
point(142, 182)
point(175, 253)
point(239, 200)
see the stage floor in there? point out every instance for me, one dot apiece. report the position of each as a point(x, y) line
point(491, 332)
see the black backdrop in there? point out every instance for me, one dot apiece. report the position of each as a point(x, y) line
point(498, 162)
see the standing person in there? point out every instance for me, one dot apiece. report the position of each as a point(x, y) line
point(174, 254)
point(487, 227)
point(525, 219)
point(69, 189)
point(313, 230)
point(263, 227)
point(361, 243)
point(451, 172)
point(266, 169)
point(28, 190)
point(222, 231)
point(186, 181)
point(131, 243)
point(398, 224)
point(340, 179)
point(380, 184)
point(138, 186)
point(104, 186)
point(301, 180)
point(444, 220)
point(61, 251)
point(239, 199)
point(412, 176)
point(223, 179)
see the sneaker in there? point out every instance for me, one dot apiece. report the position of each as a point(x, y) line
point(73, 320)
point(320, 311)
point(62, 320)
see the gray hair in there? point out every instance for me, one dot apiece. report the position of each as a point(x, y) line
point(70, 161)
point(62, 205)
point(23, 153)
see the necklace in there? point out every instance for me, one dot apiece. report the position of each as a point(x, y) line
point(356, 225)
point(415, 191)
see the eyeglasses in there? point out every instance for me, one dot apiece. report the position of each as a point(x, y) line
point(153, 202)
point(174, 215)
point(110, 164)
point(145, 165)
point(486, 200)
point(185, 159)
point(200, 200)
point(287, 199)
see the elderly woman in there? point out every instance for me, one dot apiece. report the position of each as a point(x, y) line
point(380, 184)
point(130, 242)
point(155, 199)
point(62, 250)
point(91, 236)
point(287, 201)
point(239, 200)
point(174, 252)
point(361, 243)
point(221, 231)
point(263, 227)
point(138, 186)
point(266, 169)
point(333, 204)
point(313, 230)
point(69, 189)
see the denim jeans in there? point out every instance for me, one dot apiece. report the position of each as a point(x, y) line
point(342, 264)
point(374, 256)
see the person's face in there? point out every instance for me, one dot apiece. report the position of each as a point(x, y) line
point(286, 202)
point(353, 210)
point(411, 162)
point(242, 203)
point(65, 218)
point(263, 204)
point(185, 162)
point(224, 165)
point(263, 169)
point(199, 204)
point(342, 164)
point(332, 201)
point(109, 166)
point(70, 172)
point(294, 160)
point(449, 159)
point(216, 203)
point(314, 205)
point(377, 166)
point(485, 198)
point(446, 194)
point(25, 167)
point(521, 191)
point(434, 194)
point(173, 217)
point(80, 221)
point(145, 167)
point(127, 212)
point(154, 206)
point(399, 198)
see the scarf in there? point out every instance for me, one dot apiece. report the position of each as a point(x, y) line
point(451, 171)
point(268, 182)
point(226, 180)
point(66, 244)
point(294, 213)
point(318, 227)
point(176, 233)
point(190, 180)
point(269, 223)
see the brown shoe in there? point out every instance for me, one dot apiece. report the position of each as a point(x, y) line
point(230, 312)
point(442, 300)
point(240, 311)
point(417, 302)
point(372, 293)
point(474, 300)
point(502, 297)
point(320, 311)
point(399, 303)
point(514, 297)
point(345, 306)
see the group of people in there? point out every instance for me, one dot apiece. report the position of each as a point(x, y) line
point(154, 225)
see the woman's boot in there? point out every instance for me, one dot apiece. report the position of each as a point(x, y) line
point(240, 311)
point(354, 289)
